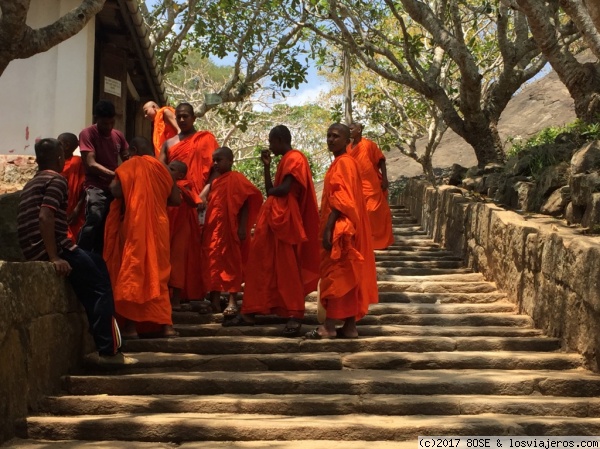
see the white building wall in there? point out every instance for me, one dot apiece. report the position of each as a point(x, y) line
point(51, 92)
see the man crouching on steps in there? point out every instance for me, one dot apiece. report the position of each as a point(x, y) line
point(42, 231)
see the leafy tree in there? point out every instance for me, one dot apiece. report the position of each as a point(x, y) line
point(20, 41)
point(263, 48)
point(486, 44)
point(581, 79)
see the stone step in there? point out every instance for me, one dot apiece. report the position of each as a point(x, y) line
point(388, 308)
point(208, 330)
point(407, 249)
point(437, 278)
point(258, 444)
point(280, 345)
point(419, 264)
point(417, 257)
point(225, 427)
point(419, 271)
point(314, 405)
point(408, 232)
point(434, 286)
point(150, 362)
point(400, 243)
point(578, 383)
point(472, 319)
point(404, 221)
point(431, 298)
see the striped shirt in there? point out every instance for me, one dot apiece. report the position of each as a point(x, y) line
point(47, 189)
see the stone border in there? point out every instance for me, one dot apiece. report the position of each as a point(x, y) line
point(43, 336)
point(549, 270)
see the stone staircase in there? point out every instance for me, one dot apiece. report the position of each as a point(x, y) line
point(443, 353)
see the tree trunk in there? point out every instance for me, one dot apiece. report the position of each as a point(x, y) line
point(19, 41)
point(581, 80)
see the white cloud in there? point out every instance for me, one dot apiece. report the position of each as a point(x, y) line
point(306, 95)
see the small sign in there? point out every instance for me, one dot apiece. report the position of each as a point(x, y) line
point(112, 86)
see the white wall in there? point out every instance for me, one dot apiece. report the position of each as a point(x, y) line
point(51, 92)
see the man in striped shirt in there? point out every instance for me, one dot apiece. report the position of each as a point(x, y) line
point(42, 231)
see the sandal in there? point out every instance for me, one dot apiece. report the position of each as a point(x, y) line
point(237, 320)
point(314, 335)
point(230, 311)
point(204, 307)
point(292, 329)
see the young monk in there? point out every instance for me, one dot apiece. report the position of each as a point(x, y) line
point(75, 176)
point(371, 163)
point(194, 148)
point(348, 276)
point(232, 203)
point(136, 246)
point(189, 199)
point(164, 124)
point(284, 256)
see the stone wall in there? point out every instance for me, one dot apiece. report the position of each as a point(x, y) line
point(15, 171)
point(9, 244)
point(551, 271)
point(43, 335)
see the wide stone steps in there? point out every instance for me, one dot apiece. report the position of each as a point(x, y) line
point(207, 330)
point(508, 360)
point(443, 353)
point(277, 345)
point(578, 383)
point(310, 404)
point(226, 427)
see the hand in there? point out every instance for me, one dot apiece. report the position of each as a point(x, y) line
point(242, 234)
point(327, 244)
point(265, 157)
point(384, 184)
point(61, 266)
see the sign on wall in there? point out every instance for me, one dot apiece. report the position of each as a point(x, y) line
point(112, 86)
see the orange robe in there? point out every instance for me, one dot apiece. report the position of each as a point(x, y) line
point(136, 242)
point(283, 264)
point(368, 155)
point(348, 274)
point(186, 245)
point(186, 242)
point(162, 130)
point(75, 175)
point(223, 252)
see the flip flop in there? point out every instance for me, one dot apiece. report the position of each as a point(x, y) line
point(292, 331)
point(237, 320)
point(230, 311)
point(314, 335)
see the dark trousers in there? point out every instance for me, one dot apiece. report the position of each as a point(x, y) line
point(91, 283)
point(91, 236)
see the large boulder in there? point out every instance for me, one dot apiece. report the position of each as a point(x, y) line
point(9, 243)
point(457, 174)
point(591, 216)
point(586, 159)
point(557, 202)
point(583, 186)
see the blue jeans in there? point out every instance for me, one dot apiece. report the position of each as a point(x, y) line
point(91, 283)
point(97, 205)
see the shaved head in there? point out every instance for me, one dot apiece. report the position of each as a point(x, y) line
point(178, 166)
point(344, 130)
point(187, 106)
point(141, 146)
point(225, 152)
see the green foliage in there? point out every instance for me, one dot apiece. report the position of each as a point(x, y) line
point(578, 130)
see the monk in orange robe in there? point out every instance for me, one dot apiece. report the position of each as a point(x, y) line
point(194, 149)
point(164, 124)
point(373, 172)
point(348, 275)
point(283, 264)
point(136, 240)
point(232, 206)
point(75, 175)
